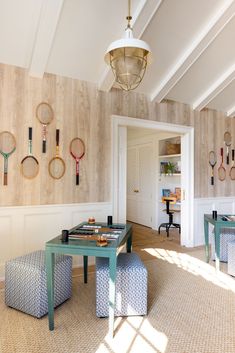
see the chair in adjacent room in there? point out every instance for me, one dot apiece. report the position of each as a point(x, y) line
point(170, 224)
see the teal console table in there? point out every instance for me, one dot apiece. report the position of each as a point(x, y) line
point(218, 224)
point(86, 247)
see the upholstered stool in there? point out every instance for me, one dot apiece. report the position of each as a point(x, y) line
point(226, 235)
point(25, 282)
point(231, 258)
point(131, 286)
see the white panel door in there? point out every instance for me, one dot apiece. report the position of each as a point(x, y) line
point(140, 166)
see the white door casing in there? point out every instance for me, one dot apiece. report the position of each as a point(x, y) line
point(119, 169)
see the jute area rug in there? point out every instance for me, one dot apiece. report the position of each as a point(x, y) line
point(191, 309)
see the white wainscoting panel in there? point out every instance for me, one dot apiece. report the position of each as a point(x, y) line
point(6, 239)
point(25, 229)
point(223, 205)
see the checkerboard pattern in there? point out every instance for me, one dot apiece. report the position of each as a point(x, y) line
point(231, 258)
point(25, 282)
point(131, 286)
point(226, 235)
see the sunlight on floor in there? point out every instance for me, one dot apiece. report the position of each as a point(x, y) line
point(134, 335)
point(195, 266)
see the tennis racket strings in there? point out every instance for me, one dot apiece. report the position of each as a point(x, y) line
point(56, 165)
point(212, 162)
point(29, 164)
point(77, 151)
point(7, 147)
point(45, 115)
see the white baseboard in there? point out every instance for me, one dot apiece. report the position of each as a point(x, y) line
point(25, 229)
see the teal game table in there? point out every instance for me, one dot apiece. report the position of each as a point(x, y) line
point(222, 221)
point(87, 246)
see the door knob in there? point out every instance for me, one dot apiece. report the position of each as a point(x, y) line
point(136, 190)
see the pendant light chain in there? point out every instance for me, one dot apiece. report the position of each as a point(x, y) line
point(129, 17)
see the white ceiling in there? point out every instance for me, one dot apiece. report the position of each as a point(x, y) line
point(192, 43)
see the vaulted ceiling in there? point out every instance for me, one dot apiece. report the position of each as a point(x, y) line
point(192, 42)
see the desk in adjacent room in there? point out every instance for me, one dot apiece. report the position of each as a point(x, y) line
point(87, 248)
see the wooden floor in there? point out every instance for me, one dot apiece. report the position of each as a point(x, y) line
point(144, 237)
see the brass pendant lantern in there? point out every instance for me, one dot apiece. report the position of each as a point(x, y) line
point(128, 58)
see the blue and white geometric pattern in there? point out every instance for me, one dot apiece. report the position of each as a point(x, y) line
point(131, 286)
point(226, 235)
point(231, 258)
point(25, 282)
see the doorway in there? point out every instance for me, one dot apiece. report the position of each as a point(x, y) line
point(119, 169)
point(147, 180)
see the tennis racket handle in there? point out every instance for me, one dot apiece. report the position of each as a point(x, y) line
point(227, 159)
point(221, 151)
point(212, 180)
point(43, 146)
point(77, 179)
point(30, 133)
point(5, 179)
point(233, 155)
point(57, 137)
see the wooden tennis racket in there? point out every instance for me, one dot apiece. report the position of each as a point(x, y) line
point(56, 165)
point(221, 169)
point(77, 151)
point(29, 164)
point(45, 115)
point(232, 170)
point(212, 162)
point(7, 147)
point(227, 141)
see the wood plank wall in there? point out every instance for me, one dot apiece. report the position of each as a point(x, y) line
point(209, 127)
point(82, 110)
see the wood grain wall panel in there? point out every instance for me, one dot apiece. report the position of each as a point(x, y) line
point(82, 110)
point(209, 127)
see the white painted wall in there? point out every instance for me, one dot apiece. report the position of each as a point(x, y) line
point(25, 229)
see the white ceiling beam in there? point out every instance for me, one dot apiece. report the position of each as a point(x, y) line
point(231, 112)
point(140, 21)
point(47, 24)
point(198, 46)
point(218, 86)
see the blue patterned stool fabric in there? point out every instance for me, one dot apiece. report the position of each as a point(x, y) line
point(131, 286)
point(231, 258)
point(25, 282)
point(226, 235)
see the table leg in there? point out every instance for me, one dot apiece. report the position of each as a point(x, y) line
point(85, 264)
point(50, 260)
point(112, 280)
point(129, 242)
point(217, 248)
point(206, 227)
